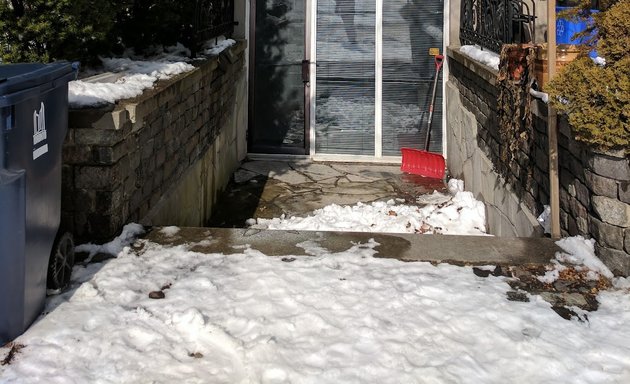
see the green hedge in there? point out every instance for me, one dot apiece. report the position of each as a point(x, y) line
point(45, 30)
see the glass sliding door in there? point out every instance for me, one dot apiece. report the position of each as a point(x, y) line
point(411, 28)
point(352, 110)
point(277, 123)
point(345, 85)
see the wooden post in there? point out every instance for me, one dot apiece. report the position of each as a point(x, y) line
point(552, 125)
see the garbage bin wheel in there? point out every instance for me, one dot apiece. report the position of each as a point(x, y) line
point(61, 262)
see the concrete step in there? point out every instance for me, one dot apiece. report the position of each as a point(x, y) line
point(467, 250)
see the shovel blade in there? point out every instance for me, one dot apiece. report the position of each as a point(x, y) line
point(423, 163)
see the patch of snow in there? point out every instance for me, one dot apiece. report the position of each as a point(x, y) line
point(138, 76)
point(599, 61)
point(622, 283)
point(545, 219)
point(455, 186)
point(219, 47)
point(170, 231)
point(458, 214)
point(540, 95)
point(549, 277)
point(87, 94)
point(475, 52)
point(592, 275)
point(580, 251)
point(159, 69)
point(114, 247)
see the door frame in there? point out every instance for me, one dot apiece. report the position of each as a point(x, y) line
point(310, 88)
point(251, 120)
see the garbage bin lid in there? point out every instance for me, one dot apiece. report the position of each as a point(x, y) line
point(19, 77)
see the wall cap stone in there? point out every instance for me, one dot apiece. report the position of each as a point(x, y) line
point(135, 107)
point(485, 72)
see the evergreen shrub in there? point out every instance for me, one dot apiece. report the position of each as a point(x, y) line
point(44, 30)
point(596, 98)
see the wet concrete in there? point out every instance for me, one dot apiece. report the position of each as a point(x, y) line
point(268, 189)
point(468, 250)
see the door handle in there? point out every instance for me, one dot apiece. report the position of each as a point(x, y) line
point(306, 71)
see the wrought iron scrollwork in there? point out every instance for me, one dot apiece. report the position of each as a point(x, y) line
point(492, 23)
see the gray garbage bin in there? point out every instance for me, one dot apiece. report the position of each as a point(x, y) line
point(33, 124)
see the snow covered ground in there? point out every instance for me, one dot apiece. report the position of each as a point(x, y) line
point(330, 318)
point(158, 314)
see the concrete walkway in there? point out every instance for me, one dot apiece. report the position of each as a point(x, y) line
point(466, 250)
point(268, 189)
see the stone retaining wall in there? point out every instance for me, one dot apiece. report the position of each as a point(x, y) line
point(594, 187)
point(159, 158)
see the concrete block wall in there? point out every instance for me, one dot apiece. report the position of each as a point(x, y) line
point(158, 158)
point(594, 187)
point(474, 145)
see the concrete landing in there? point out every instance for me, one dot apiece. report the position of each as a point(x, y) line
point(468, 250)
point(268, 189)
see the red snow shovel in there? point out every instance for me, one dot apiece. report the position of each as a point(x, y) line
point(425, 163)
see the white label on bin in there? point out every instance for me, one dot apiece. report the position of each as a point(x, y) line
point(39, 131)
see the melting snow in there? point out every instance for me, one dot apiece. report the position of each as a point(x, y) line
point(475, 52)
point(456, 214)
point(328, 318)
point(137, 75)
point(334, 318)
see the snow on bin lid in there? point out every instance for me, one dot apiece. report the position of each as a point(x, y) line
point(23, 76)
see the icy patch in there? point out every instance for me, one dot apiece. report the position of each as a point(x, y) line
point(475, 52)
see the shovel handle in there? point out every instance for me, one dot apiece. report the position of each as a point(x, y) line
point(439, 60)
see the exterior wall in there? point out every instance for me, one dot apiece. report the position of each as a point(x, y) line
point(160, 158)
point(594, 187)
point(473, 148)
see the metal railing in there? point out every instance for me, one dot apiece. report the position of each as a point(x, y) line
point(213, 18)
point(492, 23)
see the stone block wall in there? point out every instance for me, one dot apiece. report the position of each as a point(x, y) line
point(122, 163)
point(594, 187)
point(595, 199)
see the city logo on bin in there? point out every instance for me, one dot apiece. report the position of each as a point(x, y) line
point(560, 27)
point(39, 131)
